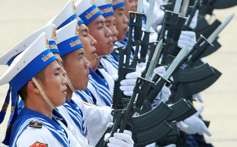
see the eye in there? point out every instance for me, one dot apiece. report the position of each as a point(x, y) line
point(80, 56)
point(107, 23)
point(120, 14)
point(57, 73)
point(84, 34)
point(100, 26)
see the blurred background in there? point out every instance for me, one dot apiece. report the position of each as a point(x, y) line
point(20, 18)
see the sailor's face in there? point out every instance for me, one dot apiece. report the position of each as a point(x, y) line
point(69, 89)
point(89, 45)
point(102, 35)
point(111, 24)
point(54, 84)
point(121, 23)
point(77, 68)
point(130, 5)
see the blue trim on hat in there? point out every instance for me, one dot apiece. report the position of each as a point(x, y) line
point(93, 13)
point(5, 106)
point(67, 21)
point(119, 5)
point(34, 67)
point(13, 114)
point(53, 47)
point(69, 45)
point(107, 10)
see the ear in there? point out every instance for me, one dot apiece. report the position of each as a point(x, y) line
point(31, 87)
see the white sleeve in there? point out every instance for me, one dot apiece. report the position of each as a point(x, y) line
point(96, 119)
point(33, 135)
point(158, 14)
point(109, 80)
point(72, 128)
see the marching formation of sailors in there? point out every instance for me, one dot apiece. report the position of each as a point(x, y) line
point(116, 73)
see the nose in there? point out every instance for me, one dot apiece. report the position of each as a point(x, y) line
point(87, 63)
point(64, 78)
point(125, 19)
point(92, 40)
point(115, 31)
point(108, 32)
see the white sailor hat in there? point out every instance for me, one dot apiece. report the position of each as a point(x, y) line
point(49, 29)
point(68, 39)
point(66, 15)
point(24, 67)
point(118, 4)
point(87, 11)
point(105, 6)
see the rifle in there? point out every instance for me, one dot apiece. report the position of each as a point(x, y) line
point(149, 131)
point(205, 76)
point(205, 42)
point(119, 99)
point(139, 17)
point(146, 37)
point(171, 29)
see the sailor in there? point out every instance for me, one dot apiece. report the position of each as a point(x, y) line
point(9, 56)
point(121, 22)
point(36, 76)
point(89, 43)
point(108, 62)
point(79, 115)
point(69, 110)
point(93, 18)
point(77, 68)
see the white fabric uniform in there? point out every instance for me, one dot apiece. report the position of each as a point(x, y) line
point(32, 135)
point(113, 72)
point(110, 80)
point(96, 119)
point(99, 101)
point(73, 127)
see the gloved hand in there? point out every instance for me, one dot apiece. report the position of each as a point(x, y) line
point(198, 97)
point(121, 140)
point(127, 85)
point(140, 67)
point(165, 93)
point(187, 39)
point(194, 124)
point(163, 96)
point(194, 21)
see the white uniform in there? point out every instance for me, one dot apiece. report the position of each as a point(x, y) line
point(72, 127)
point(96, 119)
point(33, 135)
point(99, 101)
point(110, 80)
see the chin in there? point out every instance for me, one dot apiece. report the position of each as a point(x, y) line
point(62, 101)
point(85, 85)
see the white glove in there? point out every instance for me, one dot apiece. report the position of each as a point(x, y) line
point(140, 67)
point(159, 71)
point(194, 124)
point(163, 96)
point(121, 140)
point(198, 97)
point(187, 39)
point(127, 85)
point(165, 93)
point(194, 20)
